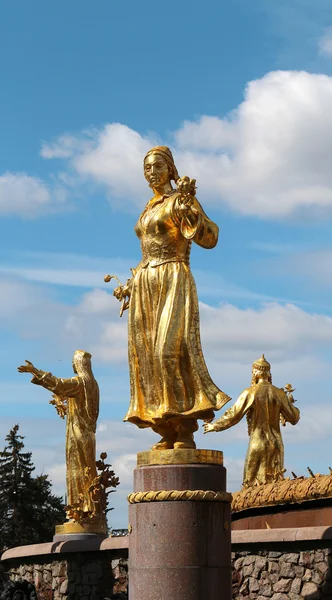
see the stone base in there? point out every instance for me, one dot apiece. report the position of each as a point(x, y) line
point(183, 456)
point(68, 537)
point(180, 548)
point(70, 528)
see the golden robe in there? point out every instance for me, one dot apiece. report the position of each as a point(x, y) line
point(263, 404)
point(168, 374)
point(82, 415)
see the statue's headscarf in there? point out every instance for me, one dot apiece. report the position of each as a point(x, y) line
point(168, 157)
point(82, 366)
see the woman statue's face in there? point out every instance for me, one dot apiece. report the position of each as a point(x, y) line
point(156, 170)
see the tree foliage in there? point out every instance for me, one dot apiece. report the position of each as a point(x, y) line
point(28, 509)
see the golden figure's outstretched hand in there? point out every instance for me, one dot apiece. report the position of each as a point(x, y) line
point(122, 292)
point(208, 427)
point(27, 368)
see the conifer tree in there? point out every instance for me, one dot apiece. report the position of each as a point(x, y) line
point(28, 509)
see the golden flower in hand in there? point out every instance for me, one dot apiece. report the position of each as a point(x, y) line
point(186, 186)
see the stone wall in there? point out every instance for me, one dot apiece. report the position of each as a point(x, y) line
point(270, 564)
point(72, 570)
point(282, 575)
point(282, 564)
point(79, 577)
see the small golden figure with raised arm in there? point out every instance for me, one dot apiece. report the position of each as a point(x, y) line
point(77, 399)
point(265, 406)
point(170, 384)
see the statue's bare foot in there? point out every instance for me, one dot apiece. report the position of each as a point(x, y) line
point(179, 445)
point(185, 440)
point(164, 444)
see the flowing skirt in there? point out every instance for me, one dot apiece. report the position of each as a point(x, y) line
point(168, 374)
point(80, 454)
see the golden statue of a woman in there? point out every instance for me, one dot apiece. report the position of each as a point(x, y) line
point(78, 399)
point(265, 407)
point(170, 384)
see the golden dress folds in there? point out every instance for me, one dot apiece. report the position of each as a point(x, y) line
point(168, 374)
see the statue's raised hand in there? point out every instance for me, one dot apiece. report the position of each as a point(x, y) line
point(187, 189)
point(208, 427)
point(27, 368)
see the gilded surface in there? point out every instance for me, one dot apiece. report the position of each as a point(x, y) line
point(177, 495)
point(170, 384)
point(285, 491)
point(265, 406)
point(77, 399)
point(182, 456)
point(74, 528)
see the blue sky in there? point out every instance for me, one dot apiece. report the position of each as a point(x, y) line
point(242, 93)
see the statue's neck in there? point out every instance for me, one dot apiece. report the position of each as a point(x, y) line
point(163, 190)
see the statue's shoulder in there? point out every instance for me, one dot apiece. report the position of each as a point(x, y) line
point(244, 395)
point(278, 391)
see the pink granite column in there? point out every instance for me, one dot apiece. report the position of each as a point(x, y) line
point(180, 550)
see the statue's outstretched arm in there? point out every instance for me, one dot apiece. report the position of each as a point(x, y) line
point(62, 387)
point(233, 415)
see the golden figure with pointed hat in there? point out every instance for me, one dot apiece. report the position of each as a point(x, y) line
point(170, 384)
point(265, 406)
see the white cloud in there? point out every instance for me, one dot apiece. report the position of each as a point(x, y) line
point(270, 157)
point(234, 468)
point(62, 148)
point(112, 157)
point(102, 427)
point(57, 475)
point(325, 43)
point(315, 266)
point(123, 466)
point(314, 424)
point(29, 197)
point(277, 158)
point(274, 329)
point(15, 298)
point(65, 268)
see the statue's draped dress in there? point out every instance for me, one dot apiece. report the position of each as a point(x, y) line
point(168, 374)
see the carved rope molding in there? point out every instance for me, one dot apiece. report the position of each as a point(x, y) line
point(166, 496)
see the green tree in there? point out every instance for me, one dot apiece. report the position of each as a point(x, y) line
point(28, 509)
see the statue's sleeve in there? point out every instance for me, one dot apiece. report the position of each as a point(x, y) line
point(234, 414)
point(62, 387)
point(290, 413)
point(197, 226)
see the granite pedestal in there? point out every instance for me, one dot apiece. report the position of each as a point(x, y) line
point(180, 549)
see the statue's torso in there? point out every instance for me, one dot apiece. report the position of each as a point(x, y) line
point(266, 407)
point(160, 234)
